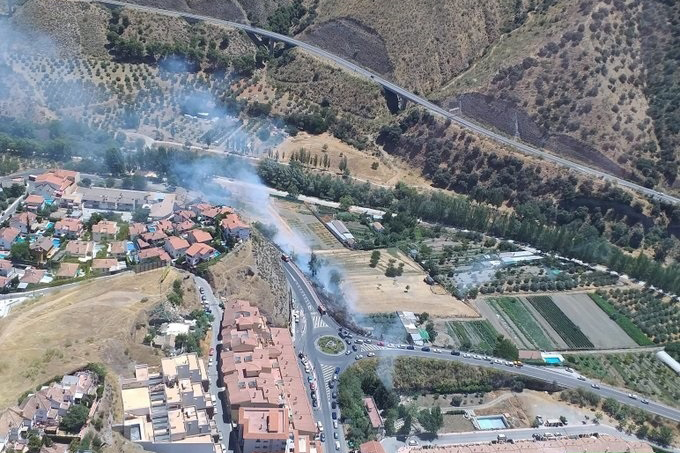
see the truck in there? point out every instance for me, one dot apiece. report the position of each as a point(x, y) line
point(285, 258)
point(322, 309)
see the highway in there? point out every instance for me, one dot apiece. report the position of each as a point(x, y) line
point(467, 124)
point(304, 291)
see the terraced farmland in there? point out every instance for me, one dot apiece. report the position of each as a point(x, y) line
point(559, 321)
point(477, 336)
point(521, 319)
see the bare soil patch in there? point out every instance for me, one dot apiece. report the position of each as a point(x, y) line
point(596, 325)
point(224, 9)
point(370, 291)
point(352, 40)
point(66, 329)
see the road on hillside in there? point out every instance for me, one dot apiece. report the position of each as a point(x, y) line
point(479, 129)
point(304, 291)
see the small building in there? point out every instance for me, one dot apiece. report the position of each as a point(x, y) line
point(81, 249)
point(105, 230)
point(373, 413)
point(152, 254)
point(23, 221)
point(199, 236)
point(157, 237)
point(135, 230)
point(377, 227)
point(34, 202)
point(118, 249)
point(55, 183)
point(183, 226)
point(199, 252)
point(42, 248)
point(176, 246)
point(340, 231)
point(234, 227)
point(372, 446)
point(104, 266)
point(67, 270)
point(69, 228)
point(6, 269)
point(32, 276)
point(7, 237)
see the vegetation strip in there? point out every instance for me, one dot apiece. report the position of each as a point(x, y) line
point(564, 326)
point(623, 321)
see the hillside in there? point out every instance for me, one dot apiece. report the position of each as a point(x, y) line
point(585, 80)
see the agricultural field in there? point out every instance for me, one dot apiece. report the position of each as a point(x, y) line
point(476, 336)
point(622, 320)
point(564, 326)
point(656, 315)
point(522, 323)
point(299, 217)
point(370, 291)
point(642, 373)
point(595, 324)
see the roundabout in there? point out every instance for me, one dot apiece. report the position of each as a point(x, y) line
point(330, 345)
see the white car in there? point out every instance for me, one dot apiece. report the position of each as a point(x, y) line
point(371, 354)
point(335, 424)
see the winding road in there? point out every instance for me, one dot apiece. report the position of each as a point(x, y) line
point(465, 123)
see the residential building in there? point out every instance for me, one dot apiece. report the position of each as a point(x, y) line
point(32, 276)
point(264, 386)
point(34, 202)
point(377, 227)
point(183, 226)
point(234, 227)
point(164, 225)
point(372, 446)
point(157, 237)
point(69, 228)
point(152, 254)
point(104, 266)
point(142, 244)
point(184, 215)
point(23, 221)
point(199, 236)
point(81, 249)
point(176, 246)
point(67, 270)
point(198, 253)
point(6, 269)
point(118, 249)
point(42, 249)
point(105, 230)
point(55, 183)
point(170, 405)
point(160, 205)
point(4, 282)
point(7, 237)
point(136, 229)
point(374, 415)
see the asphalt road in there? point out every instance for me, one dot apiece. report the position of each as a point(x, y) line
point(221, 417)
point(306, 292)
point(479, 129)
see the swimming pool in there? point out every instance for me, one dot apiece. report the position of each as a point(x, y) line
point(56, 242)
point(491, 422)
point(552, 360)
point(130, 247)
point(49, 225)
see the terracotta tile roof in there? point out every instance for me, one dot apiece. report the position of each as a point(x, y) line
point(142, 244)
point(372, 446)
point(34, 199)
point(43, 244)
point(177, 243)
point(137, 228)
point(79, 248)
point(183, 226)
point(118, 247)
point(24, 218)
point(152, 253)
point(154, 236)
point(233, 222)
point(69, 224)
point(373, 414)
point(199, 236)
point(105, 227)
point(9, 234)
point(67, 270)
point(199, 248)
point(104, 263)
point(33, 276)
point(5, 265)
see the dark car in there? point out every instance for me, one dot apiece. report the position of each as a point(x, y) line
point(334, 404)
point(300, 355)
point(455, 352)
point(315, 404)
point(354, 348)
point(334, 395)
point(201, 290)
point(348, 341)
point(331, 384)
point(410, 347)
point(334, 415)
point(425, 349)
point(337, 370)
point(323, 437)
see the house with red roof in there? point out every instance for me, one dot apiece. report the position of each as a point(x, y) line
point(235, 228)
point(176, 246)
point(199, 236)
point(199, 252)
point(7, 237)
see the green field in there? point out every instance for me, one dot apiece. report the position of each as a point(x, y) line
point(622, 320)
point(564, 327)
point(477, 336)
point(522, 318)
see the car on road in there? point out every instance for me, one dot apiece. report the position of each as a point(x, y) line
point(358, 357)
point(203, 298)
point(312, 385)
point(211, 352)
point(319, 426)
point(380, 343)
point(334, 415)
point(334, 395)
point(224, 447)
point(371, 354)
point(335, 424)
point(632, 396)
point(285, 258)
point(581, 378)
point(595, 386)
point(348, 341)
point(335, 435)
point(455, 352)
point(331, 384)
point(568, 370)
point(334, 405)
point(410, 347)
point(310, 378)
point(402, 346)
point(438, 351)
point(358, 341)
point(348, 352)
point(323, 437)
point(337, 445)
point(354, 348)
point(221, 437)
point(425, 349)
point(337, 370)
point(201, 290)
point(301, 355)
point(412, 442)
point(644, 401)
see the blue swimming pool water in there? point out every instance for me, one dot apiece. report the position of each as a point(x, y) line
point(491, 422)
point(56, 242)
point(50, 225)
point(552, 360)
point(152, 229)
point(130, 247)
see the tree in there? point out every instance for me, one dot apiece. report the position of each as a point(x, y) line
point(140, 215)
point(405, 429)
point(314, 264)
point(431, 419)
point(86, 182)
point(34, 443)
point(431, 331)
point(138, 181)
point(75, 418)
point(114, 161)
point(345, 202)
point(457, 400)
point(665, 436)
point(375, 258)
point(505, 348)
point(21, 251)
